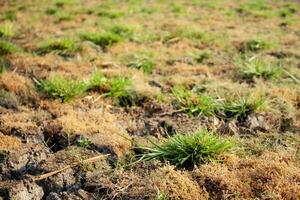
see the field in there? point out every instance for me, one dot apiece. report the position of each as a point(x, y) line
point(149, 99)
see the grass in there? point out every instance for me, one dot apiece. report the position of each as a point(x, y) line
point(84, 143)
point(195, 104)
point(254, 45)
point(240, 108)
point(189, 150)
point(103, 39)
point(257, 67)
point(6, 30)
point(4, 65)
point(7, 47)
point(201, 104)
point(96, 81)
point(201, 56)
point(120, 90)
point(121, 30)
point(142, 62)
point(8, 15)
point(63, 47)
point(61, 88)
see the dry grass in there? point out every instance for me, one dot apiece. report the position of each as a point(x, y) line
point(9, 143)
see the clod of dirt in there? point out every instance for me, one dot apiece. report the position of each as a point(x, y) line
point(25, 190)
point(24, 160)
point(228, 128)
point(70, 179)
point(257, 123)
point(77, 195)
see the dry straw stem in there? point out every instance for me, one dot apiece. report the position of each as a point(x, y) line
point(89, 160)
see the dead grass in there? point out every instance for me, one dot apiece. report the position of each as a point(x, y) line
point(177, 184)
point(9, 143)
point(271, 175)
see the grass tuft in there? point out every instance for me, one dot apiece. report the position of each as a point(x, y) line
point(7, 48)
point(256, 67)
point(61, 88)
point(195, 104)
point(6, 30)
point(142, 62)
point(96, 81)
point(63, 47)
point(120, 90)
point(189, 150)
point(254, 46)
point(241, 108)
point(104, 39)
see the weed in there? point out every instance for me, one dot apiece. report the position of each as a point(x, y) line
point(6, 30)
point(7, 48)
point(84, 143)
point(142, 62)
point(256, 67)
point(96, 81)
point(120, 91)
point(63, 47)
point(191, 34)
point(61, 88)
point(102, 39)
point(188, 150)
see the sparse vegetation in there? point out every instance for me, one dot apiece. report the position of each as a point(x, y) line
point(63, 47)
point(188, 150)
point(202, 93)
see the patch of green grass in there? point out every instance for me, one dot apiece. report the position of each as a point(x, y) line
point(63, 16)
point(84, 143)
point(288, 10)
point(201, 104)
point(7, 47)
point(195, 104)
point(256, 67)
point(6, 30)
point(254, 46)
point(63, 47)
point(104, 39)
point(201, 56)
point(189, 33)
point(4, 65)
point(8, 15)
point(60, 88)
point(111, 14)
point(240, 108)
point(162, 196)
point(256, 8)
point(96, 81)
point(121, 30)
point(51, 11)
point(142, 61)
point(120, 90)
point(189, 150)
